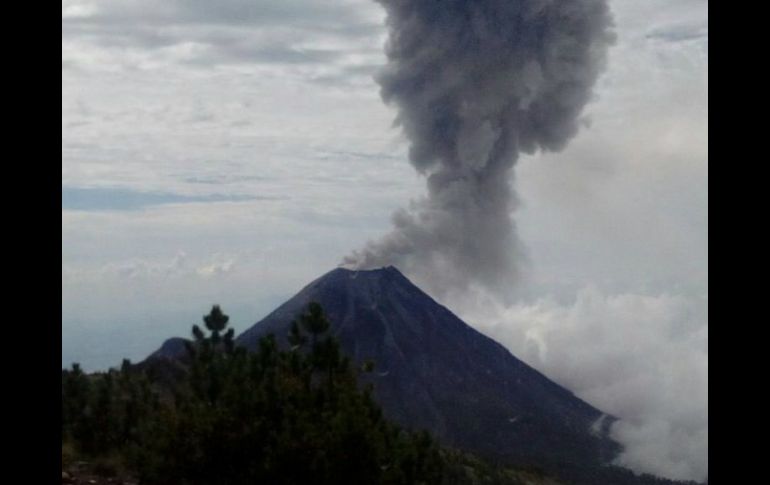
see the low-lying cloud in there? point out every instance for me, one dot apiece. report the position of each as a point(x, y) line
point(640, 357)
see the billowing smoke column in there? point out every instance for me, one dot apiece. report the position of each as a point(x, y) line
point(476, 83)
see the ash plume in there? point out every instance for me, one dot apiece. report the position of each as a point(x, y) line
point(477, 83)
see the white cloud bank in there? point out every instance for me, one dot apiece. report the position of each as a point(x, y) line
point(642, 358)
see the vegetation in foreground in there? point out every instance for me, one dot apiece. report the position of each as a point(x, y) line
point(232, 417)
point(226, 416)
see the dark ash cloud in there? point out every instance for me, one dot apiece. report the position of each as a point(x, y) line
point(476, 84)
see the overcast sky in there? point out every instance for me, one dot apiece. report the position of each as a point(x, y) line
point(230, 152)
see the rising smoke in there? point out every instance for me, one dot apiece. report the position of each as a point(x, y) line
point(477, 83)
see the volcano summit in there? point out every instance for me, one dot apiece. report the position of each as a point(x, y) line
point(435, 372)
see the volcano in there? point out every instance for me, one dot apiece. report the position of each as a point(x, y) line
point(435, 372)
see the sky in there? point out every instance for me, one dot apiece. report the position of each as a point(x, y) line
point(230, 152)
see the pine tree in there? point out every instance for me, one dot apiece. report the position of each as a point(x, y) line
point(314, 321)
point(215, 321)
point(76, 394)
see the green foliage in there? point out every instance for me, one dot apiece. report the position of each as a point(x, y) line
point(216, 321)
point(272, 416)
point(314, 321)
point(104, 411)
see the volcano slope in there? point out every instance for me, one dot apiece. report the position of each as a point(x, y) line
point(435, 372)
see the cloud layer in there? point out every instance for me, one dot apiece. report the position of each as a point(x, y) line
point(640, 357)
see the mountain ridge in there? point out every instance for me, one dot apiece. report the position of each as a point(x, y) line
point(436, 372)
